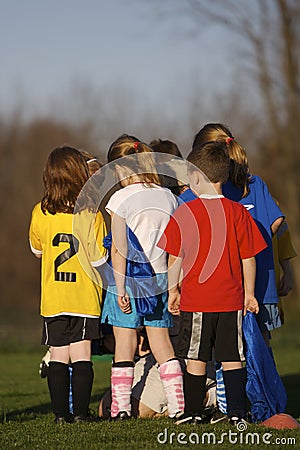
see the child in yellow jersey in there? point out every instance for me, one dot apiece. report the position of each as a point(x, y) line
point(70, 246)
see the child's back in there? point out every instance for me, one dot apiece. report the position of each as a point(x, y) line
point(214, 237)
point(146, 210)
point(66, 268)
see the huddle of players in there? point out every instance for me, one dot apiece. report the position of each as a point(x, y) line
point(206, 254)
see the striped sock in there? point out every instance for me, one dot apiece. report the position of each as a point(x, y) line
point(172, 380)
point(221, 393)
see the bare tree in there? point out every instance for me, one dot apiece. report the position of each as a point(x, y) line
point(268, 43)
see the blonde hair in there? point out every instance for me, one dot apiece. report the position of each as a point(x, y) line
point(139, 159)
point(239, 173)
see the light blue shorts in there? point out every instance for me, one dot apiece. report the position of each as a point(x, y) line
point(161, 318)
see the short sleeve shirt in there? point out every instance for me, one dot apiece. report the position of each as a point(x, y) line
point(212, 236)
point(146, 210)
point(70, 245)
point(264, 211)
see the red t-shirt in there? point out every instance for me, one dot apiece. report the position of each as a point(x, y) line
point(212, 235)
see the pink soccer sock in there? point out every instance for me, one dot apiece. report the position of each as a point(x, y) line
point(172, 380)
point(121, 384)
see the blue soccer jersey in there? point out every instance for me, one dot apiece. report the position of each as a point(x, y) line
point(264, 211)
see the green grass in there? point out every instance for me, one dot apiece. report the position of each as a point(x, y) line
point(27, 421)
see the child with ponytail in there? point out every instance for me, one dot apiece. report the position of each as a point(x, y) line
point(252, 192)
point(143, 207)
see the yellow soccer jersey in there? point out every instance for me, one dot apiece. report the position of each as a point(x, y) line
point(70, 246)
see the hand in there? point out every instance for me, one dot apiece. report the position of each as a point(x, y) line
point(124, 303)
point(250, 304)
point(174, 303)
point(286, 284)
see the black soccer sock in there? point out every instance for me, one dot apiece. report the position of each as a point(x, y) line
point(82, 382)
point(59, 384)
point(235, 388)
point(194, 393)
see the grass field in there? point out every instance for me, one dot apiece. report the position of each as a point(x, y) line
point(27, 421)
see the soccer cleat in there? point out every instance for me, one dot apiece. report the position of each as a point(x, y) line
point(77, 419)
point(122, 415)
point(60, 420)
point(44, 365)
point(192, 419)
point(176, 415)
point(240, 422)
point(43, 371)
point(217, 416)
point(91, 417)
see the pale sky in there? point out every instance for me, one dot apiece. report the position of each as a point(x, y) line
point(46, 45)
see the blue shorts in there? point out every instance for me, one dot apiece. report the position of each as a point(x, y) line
point(161, 318)
point(268, 318)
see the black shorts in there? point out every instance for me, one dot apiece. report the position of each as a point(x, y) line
point(64, 330)
point(200, 332)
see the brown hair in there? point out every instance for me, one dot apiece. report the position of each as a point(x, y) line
point(92, 161)
point(64, 176)
point(165, 146)
point(213, 160)
point(142, 164)
point(239, 173)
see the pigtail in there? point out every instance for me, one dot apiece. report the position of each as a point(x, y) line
point(239, 173)
point(138, 159)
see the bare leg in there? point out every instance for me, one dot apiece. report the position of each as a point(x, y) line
point(80, 351)
point(126, 343)
point(232, 365)
point(60, 354)
point(160, 344)
point(196, 367)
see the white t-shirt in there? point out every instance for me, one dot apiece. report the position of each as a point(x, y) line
point(146, 210)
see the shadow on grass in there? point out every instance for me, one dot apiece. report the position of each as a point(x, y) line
point(291, 383)
point(31, 413)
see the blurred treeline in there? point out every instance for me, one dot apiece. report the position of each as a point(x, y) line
point(262, 109)
point(24, 147)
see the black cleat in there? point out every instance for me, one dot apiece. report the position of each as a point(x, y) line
point(122, 415)
point(217, 417)
point(59, 420)
point(193, 419)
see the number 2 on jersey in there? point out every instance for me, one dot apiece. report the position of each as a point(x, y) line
point(65, 256)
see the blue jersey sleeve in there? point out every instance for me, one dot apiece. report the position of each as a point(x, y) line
point(273, 210)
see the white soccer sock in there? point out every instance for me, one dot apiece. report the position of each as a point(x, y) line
point(121, 384)
point(172, 380)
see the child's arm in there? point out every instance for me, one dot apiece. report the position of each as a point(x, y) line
point(276, 225)
point(287, 281)
point(249, 273)
point(174, 268)
point(118, 258)
point(286, 252)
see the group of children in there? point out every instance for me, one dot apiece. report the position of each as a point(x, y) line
point(202, 256)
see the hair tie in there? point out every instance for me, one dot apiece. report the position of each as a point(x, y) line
point(135, 145)
point(229, 139)
point(92, 160)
